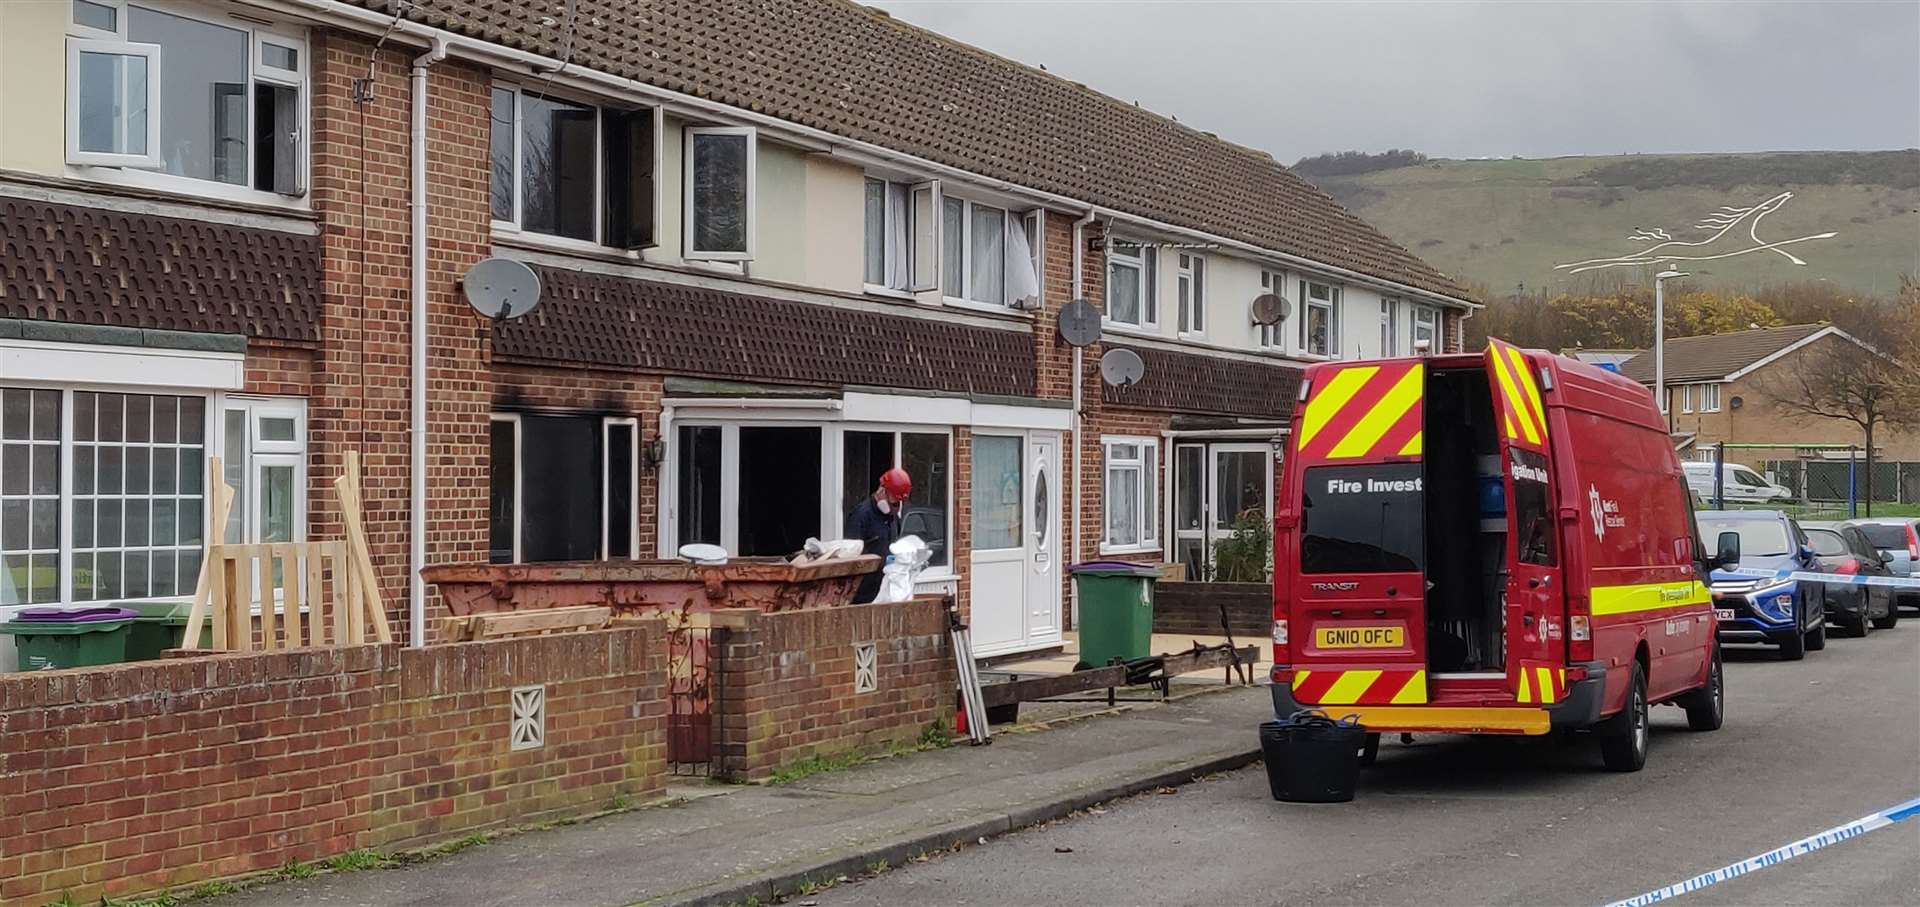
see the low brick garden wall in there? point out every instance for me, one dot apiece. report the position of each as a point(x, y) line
point(144, 776)
point(791, 685)
point(1193, 609)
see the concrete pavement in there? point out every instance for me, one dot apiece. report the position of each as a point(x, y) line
point(1807, 746)
point(736, 843)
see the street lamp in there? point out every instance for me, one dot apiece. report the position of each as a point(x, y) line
point(1660, 339)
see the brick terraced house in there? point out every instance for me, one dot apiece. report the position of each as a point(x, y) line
point(783, 245)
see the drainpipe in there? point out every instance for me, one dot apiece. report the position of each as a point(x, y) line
point(1079, 289)
point(417, 272)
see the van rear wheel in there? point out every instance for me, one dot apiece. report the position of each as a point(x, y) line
point(1624, 746)
point(1706, 707)
point(1370, 750)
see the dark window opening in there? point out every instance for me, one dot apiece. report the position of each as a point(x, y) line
point(500, 510)
point(560, 497)
point(556, 167)
point(924, 457)
point(868, 454)
point(1362, 519)
point(628, 150)
point(1532, 509)
point(780, 490)
point(276, 140)
point(699, 485)
point(621, 503)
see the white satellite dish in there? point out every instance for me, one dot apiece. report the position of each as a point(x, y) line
point(1122, 367)
point(501, 288)
point(704, 555)
point(1270, 308)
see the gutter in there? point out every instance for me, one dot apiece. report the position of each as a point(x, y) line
point(1079, 290)
point(417, 361)
point(838, 146)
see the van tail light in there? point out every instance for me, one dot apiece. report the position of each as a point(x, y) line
point(1579, 630)
point(1848, 567)
point(1913, 543)
point(1282, 651)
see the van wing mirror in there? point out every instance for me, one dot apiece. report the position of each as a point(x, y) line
point(1727, 553)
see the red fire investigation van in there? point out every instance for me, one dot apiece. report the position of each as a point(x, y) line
point(1491, 544)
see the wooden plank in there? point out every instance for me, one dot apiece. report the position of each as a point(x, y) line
point(314, 599)
point(510, 623)
point(263, 580)
point(203, 584)
point(1031, 688)
point(342, 598)
point(1188, 662)
point(347, 491)
point(240, 631)
point(290, 579)
point(215, 569)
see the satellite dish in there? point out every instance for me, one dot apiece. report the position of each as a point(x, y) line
point(1079, 323)
point(1270, 308)
point(501, 288)
point(704, 555)
point(1122, 367)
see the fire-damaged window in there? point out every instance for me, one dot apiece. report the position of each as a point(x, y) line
point(1532, 508)
point(1362, 519)
point(562, 488)
point(572, 169)
point(169, 87)
point(754, 490)
point(925, 456)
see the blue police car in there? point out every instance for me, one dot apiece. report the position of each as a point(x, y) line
point(1791, 614)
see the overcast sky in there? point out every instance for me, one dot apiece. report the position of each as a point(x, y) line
point(1461, 79)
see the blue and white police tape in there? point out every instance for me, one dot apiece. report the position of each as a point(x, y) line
point(1831, 579)
point(1779, 855)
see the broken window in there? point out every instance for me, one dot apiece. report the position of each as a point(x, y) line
point(572, 169)
point(561, 488)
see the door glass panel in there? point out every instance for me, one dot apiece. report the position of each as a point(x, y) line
point(1042, 506)
point(780, 493)
point(1189, 485)
point(1240, 485)
point(620, 491)
point(997, 518)
point(699, 484)
point(866, 454)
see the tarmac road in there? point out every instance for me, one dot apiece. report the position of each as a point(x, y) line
point(1807, 746)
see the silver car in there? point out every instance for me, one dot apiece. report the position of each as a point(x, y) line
point(1898, 538)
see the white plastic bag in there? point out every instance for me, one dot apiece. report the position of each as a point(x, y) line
point(909, 556)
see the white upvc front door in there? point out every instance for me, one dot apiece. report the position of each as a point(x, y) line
point(1014, 560)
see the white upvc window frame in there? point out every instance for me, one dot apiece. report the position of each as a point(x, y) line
point(1710, 397)
point(151, 160)
point(1145, 465)
point(1425, 318)
point(1272, 337)
point(1389, 327)
point(1686, 398)
point(519, 486)
point(921, 276)
point(148, 171)
point(834, 466)
point(1332, 305)
point(514, 225)
point(1146, 277)
point(606, 485)
point(1190, 294)
point(689, 215)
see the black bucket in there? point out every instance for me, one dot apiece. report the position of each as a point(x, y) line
point(1311, 758)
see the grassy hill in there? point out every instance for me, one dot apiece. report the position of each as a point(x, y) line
point(1499, 223)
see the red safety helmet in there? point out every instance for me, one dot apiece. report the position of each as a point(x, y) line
point(896, 483)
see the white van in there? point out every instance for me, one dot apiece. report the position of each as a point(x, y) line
point(1739, 483)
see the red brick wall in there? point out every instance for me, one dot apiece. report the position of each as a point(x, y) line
point(143, 776)
point(785, 685)
point(1109, 421)
point(279, 369)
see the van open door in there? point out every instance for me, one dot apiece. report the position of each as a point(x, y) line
point(1355, 590)
point(1535, 600)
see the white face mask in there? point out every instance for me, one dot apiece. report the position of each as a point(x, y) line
point(885, 505)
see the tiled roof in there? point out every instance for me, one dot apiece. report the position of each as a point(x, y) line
point(854, 72)
point(666, 328)
point(1193, 383)
point(87, 265)
point(1712, 357)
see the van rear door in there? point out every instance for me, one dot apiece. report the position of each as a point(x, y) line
point(1535, 598)
point(1357, 594)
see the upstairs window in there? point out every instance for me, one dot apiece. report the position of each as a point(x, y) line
point(1426, 329)
point(1193, 295)
point(1320, 326)
point(1271, 336)
point(569, 169)
point(1389, 327)
point(1133, 272)
point(902, 246)
point(1709, 398)
point(155, 87)
point(987, 255)
point(719, 202)
point(1686, 398)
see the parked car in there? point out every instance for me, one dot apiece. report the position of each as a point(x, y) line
point(1899, 539)
point(1844, 550)
point(1740, 484)
point(1791, 614)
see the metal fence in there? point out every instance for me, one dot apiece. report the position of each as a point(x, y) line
point(1816, 482)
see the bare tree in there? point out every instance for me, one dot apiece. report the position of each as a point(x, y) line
point(1841, 381)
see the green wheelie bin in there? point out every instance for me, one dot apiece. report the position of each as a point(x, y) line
point(53, 638)
point(1116, 611)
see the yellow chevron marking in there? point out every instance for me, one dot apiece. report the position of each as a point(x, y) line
point(1516, 405)
point(1526, 686)
point(1404, 395)
point(1414, 691)
point(1300, 678)
point(1349, 688)
point(1635, 598)
point(1527, 384)
point(1412, 448)
point(1548, 693)
point(1322, 407)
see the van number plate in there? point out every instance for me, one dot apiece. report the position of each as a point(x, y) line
point(1359, 637)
